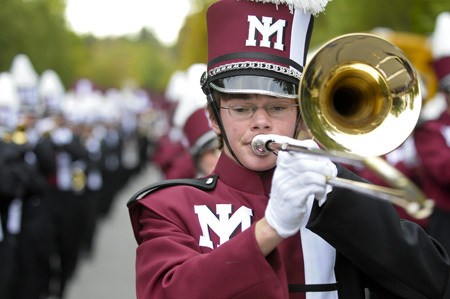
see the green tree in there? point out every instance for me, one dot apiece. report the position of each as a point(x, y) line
point(38, 29)
point(347, 16)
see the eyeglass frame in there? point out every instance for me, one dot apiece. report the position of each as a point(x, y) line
point(254, 108)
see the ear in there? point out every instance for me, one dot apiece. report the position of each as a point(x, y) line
point(214, 125)
point(213, 121)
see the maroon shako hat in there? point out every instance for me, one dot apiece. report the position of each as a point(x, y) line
point(259, 46)
point(198, 131)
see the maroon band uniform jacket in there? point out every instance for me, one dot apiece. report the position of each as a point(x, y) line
point(195, 243)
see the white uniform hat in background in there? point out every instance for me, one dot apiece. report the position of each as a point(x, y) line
point(441, 49)
point(51, 91)
point(176, 86)
point(174, 90)
point(110, 112)
point(26, 80)
point(190, 115)
point(9, 103)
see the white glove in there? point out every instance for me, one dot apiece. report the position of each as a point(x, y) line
point(297, 178)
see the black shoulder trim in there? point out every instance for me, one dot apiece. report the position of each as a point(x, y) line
point(303, 288)
point(206, 183)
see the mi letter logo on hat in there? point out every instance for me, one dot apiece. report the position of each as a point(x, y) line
point(267, 29)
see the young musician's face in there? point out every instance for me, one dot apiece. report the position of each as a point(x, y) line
point(240, 131)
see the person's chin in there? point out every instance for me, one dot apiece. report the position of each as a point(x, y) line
point(260, 163)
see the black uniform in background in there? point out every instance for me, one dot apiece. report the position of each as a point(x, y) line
point(24, 250)
point(66, 179)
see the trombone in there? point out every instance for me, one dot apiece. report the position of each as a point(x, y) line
point(360, 99)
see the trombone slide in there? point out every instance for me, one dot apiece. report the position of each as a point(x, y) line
point(405, 194)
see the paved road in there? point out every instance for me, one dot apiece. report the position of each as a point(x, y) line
point(109, 273)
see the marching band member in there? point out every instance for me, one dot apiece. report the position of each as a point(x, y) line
point(270, 226)
point(171, 156)
point(190, 116)
point(432, 141)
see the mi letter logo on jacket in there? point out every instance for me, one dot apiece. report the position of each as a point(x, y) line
point(224, 225)
point(267, 29)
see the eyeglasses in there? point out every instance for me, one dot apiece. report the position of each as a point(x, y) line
point(245, 111)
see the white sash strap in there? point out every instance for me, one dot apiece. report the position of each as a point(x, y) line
point(319, 260)
point(1, 229)
point(14, 221)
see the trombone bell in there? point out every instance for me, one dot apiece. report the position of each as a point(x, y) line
point(360, 94)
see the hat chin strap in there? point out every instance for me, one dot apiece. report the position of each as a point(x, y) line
point(215, 110)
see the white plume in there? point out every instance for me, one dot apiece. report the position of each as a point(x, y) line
point(441, 36)
point(23, 72)
point(307, 6)
point(50, 84)
point(176, 86)
point(192, 97)
point(9, 102)
point(8, 92)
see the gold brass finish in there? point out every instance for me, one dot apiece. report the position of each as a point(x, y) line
point(360, 99)
point(360, 94)
point(79, 179)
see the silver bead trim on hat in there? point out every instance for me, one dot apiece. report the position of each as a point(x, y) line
point(255, 65)
point(445, 83)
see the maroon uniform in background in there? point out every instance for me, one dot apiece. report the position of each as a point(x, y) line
point(433, 146)
point(172, 158)
point(400, 159)
point(433, 142)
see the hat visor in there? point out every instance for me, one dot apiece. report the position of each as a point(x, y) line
point(247, 84)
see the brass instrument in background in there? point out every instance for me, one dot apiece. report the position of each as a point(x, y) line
point(79, 179)
point(360, 98)
point(19, 136)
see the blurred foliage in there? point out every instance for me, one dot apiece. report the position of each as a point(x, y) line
point(114, 62)
point(38, 28)
point(346, 16)
point(192, 42)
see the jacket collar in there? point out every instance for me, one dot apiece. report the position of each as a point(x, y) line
point(243, 179)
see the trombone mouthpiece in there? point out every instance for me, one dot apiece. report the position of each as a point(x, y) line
point(260, 143)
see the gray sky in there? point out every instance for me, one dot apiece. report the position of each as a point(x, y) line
point(118, 17)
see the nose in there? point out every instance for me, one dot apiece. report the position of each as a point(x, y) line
point(261, 120)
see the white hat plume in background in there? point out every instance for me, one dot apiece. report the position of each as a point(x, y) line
point(176, 86)
point(192, 97)
point(50, 84)
point(441, 36)
point(23, 72)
